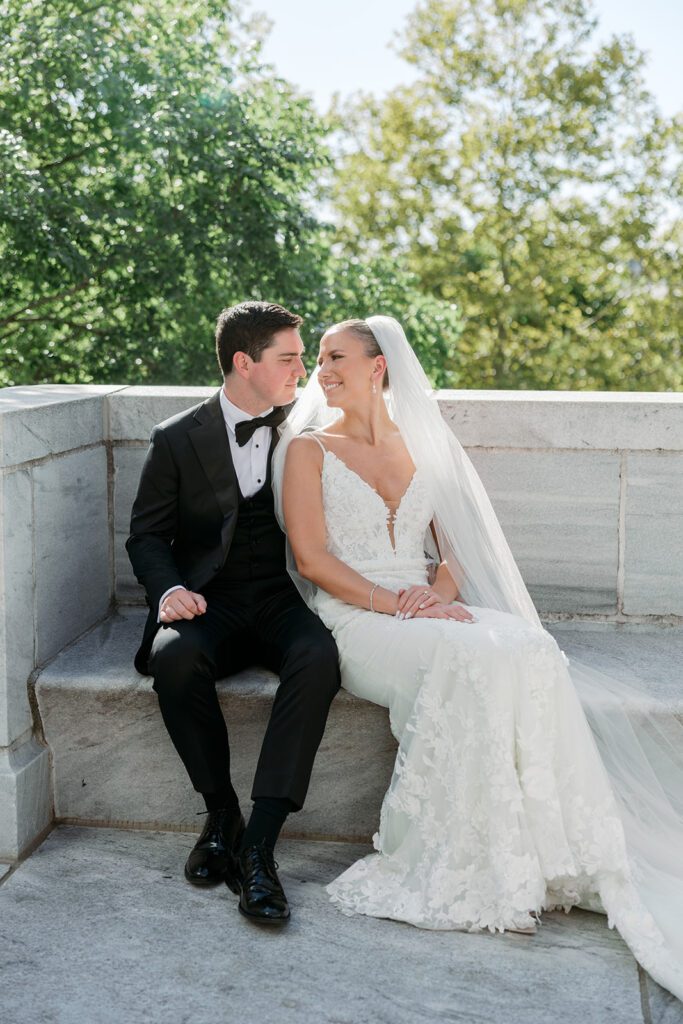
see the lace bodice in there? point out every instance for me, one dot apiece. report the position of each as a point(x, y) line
point(356, 518)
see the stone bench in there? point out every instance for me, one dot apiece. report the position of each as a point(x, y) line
point(589, 491)
point(113, 761)
point(114, 764)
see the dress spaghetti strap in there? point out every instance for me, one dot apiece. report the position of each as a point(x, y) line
point(315, 438)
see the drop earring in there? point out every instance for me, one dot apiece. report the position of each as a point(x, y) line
point(374, 388)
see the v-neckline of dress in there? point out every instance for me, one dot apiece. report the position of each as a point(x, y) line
point(373, 490)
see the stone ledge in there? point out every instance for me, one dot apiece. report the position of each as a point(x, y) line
point(584, 421)
point(134, 411)
point(114, 763)
point(48, 419)
point(650, 653)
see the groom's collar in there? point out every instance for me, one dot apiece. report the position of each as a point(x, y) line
point(232, 413)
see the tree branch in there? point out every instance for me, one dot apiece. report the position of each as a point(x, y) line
point(65, 159)
point(48, 298)
point(54, 320)
point(89, 10)
point(4, 337)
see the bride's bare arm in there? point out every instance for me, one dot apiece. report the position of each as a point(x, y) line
point(305, 524)
point(444, 584)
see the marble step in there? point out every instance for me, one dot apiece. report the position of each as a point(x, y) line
point(113, 762)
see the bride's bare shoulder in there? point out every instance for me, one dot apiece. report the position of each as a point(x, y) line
point(305, 450)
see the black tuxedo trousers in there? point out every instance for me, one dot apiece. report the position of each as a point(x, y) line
point(258, 623)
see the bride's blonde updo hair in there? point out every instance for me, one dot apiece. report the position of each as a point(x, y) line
point(361, 330)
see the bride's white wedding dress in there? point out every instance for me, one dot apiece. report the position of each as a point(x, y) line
point(499, 805)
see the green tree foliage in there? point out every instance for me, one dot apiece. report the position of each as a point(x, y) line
point(528, 177)
point(151, 172)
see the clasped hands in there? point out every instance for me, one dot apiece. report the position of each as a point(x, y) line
point(423, 602)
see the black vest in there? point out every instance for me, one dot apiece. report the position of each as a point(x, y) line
point(257, 551)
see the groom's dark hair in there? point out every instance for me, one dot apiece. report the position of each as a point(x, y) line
point(249, 327)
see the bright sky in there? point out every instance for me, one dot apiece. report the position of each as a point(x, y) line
point(328, 46)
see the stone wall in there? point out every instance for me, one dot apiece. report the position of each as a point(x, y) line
point(589, 490)
point(55, 572)
point(588, 487)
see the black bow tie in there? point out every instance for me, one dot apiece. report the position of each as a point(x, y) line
point(245, 428)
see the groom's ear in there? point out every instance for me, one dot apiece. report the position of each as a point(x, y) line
point(240, 364)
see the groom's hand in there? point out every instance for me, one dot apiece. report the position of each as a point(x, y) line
point(182, 604)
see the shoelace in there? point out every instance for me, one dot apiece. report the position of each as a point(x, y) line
point(271, 864)
point(213, 827)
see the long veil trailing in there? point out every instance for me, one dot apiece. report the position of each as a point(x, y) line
point(641, 750)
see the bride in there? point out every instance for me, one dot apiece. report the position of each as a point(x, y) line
point(521, 782)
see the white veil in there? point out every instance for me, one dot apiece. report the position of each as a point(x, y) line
point(641, 748)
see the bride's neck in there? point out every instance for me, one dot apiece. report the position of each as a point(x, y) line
point(370, 426)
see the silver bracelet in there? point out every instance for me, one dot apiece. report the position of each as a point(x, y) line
point(372, 607)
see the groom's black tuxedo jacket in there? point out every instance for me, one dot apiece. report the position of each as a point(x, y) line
point(185, 512)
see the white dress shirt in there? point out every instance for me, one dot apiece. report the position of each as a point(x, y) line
point(250, 461)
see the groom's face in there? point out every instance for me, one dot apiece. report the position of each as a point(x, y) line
point(275, 376)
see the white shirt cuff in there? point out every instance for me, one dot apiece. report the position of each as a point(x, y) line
point(164, 596)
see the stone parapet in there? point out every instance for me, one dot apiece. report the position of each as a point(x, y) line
point(580, 420)
point(569, 474)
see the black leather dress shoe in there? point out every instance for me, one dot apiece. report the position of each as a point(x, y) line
point(262, 899)
point(213, 858)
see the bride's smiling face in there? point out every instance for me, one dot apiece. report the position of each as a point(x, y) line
point(346, 372)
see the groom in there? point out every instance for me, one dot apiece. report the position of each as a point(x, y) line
point(207, 548)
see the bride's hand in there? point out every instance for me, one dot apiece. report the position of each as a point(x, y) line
point(445, 611)
point(416, 598)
